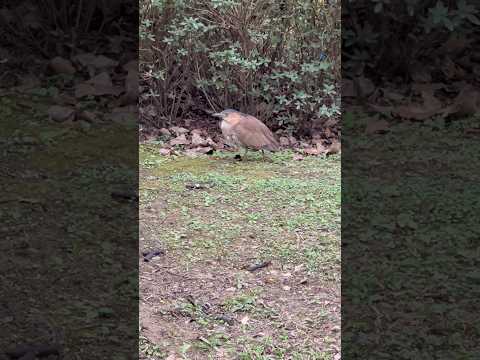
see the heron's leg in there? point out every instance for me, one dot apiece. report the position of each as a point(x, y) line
point(245, 153)
point(263, 155)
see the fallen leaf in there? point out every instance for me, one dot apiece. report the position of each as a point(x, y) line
point(62, 66)
point(455, 44)
point(99, 62)
point(192, 153)
point(322, 149)
point(293, 140)
point(467, 103)
point(197, 140)
point(210, 142)
point(165, 132)
point(311, 151)
point(270, 280)
point(472, 131)
point(298, 268)
point(165, 152)
point(244, 320)
point(179, 130)
point(297, 157)
point(284, 141)
point(429, 108)
point(88, 116)
point(61, 113)
point(180, 140)
point(377, 127)
point(335, 148)
point(429, 100)
point(97, 86)
point(65, 99)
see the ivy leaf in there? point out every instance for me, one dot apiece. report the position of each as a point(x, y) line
point(473, 19)
point(439, 13)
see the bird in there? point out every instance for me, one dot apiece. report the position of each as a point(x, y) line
point(246, 131)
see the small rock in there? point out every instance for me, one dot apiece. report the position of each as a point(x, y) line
point(165, 152)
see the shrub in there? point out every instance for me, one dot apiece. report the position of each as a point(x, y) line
point(277, 60)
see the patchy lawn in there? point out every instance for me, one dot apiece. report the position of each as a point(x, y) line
point(213, 217)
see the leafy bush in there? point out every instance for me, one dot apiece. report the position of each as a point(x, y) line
point(277, 60)
point(393, 37)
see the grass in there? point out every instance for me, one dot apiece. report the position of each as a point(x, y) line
point(214, 216)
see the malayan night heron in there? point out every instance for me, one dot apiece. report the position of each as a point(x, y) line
point(246, 131)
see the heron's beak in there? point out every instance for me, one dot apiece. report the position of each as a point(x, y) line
point(217, 115)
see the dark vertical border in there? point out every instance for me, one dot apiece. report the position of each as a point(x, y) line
point(69, 168)
point(410, 187)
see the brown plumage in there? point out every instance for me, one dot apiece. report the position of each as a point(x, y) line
point(246, 131)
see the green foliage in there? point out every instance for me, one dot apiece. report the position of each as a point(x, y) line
point(272, 59)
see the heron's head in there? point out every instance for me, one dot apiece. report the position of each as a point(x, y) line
point(225, 114)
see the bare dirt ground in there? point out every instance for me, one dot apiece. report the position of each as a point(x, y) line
point(213, 217)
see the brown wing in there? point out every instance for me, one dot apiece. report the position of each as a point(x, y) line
point(253, 133)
